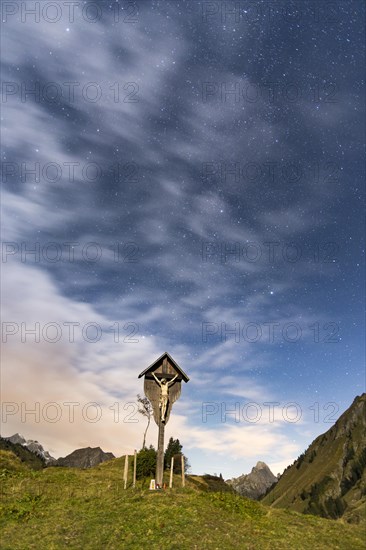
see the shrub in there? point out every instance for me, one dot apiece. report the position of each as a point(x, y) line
point(146, 462)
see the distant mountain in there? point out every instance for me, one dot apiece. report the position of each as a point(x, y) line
point(24, 455)
point(84, 458)
point(329, 479)
point(255, 484)
point(16, 439)
point(28, 450)
point(32, 446)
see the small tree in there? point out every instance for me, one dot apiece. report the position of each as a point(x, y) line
point(146, 462)
point(174, 449)
point(146, 410)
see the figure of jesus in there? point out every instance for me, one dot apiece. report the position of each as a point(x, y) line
point(164, 394)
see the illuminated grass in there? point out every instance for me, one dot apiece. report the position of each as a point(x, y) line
point(70, 508)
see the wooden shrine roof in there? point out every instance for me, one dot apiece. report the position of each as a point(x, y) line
point(159, 360)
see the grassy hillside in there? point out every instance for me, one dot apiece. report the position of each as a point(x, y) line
point(329, 479)
point(68, 508)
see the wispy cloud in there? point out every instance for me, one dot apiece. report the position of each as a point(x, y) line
point(170, 210)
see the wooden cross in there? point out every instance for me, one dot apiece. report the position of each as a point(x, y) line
point(162, 387)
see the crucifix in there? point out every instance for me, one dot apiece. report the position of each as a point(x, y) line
point(162, 386)
point(164, 395)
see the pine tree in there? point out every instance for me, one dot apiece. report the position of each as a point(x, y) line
point(174, 449)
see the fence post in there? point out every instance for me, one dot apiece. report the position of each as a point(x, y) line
point(134, 469)
point(171, 472)
point(183, 476)
point(126, 471)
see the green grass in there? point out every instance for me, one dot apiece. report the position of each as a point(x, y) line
point(89, 509)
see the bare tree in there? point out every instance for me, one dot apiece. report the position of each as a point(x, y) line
point(146, 410)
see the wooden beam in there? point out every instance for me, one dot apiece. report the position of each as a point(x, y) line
point(134, 469)
point(160, 455)
point(183, 474)
point(125, 475)
point(171, 472)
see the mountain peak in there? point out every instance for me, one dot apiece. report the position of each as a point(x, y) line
point(85, 458)
point(255, 484)
point(32, 445)
point(16, 439)
point(261, 466)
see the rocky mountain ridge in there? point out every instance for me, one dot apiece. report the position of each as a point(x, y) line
point(255, 484)
point(80, 458)
point(85, 458)
point(329, 478)
point(33, 446)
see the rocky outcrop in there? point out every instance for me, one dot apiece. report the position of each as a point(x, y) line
point(255, 484)
point(16, 439)
point(33, 446)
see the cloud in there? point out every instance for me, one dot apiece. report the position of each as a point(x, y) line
point(168, 208)
point(237, 444)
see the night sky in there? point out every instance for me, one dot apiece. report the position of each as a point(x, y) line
point(190, 177)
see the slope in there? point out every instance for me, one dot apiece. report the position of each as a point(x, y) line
point(61, 507)
point(329, 479)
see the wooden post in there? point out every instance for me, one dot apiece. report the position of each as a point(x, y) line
point(126, 471)
point(160, 455)
point(183, 476)
point(171, 472)
point(134, 469)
